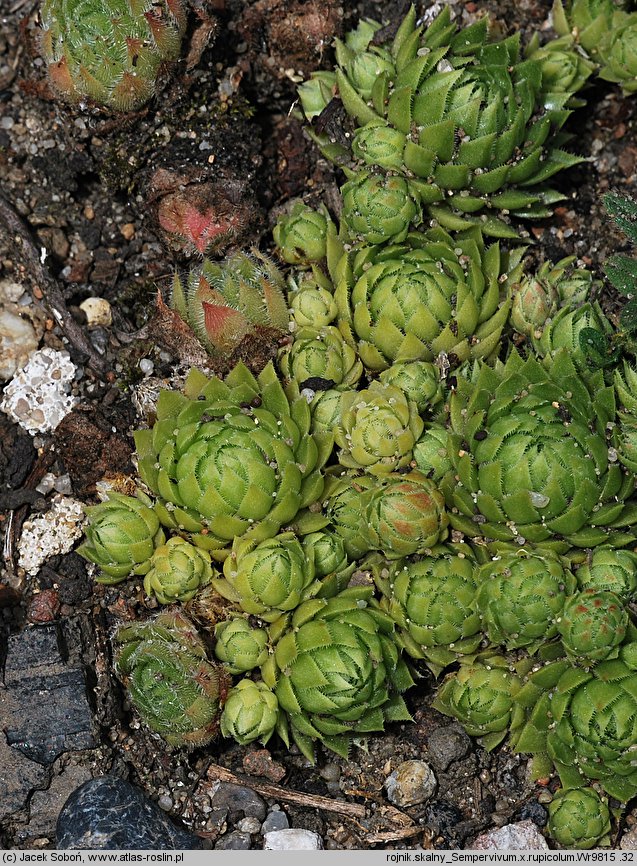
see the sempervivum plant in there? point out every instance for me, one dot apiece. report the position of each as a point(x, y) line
point(224, 302)
point(593, 624)
point(432, 294)
point(611, 570)
point(419, 380)
point(177, 692)
point(618, 52)
point(251, 712)
point(584, 723)
point(109, 52)
point(584, 21)
point(532, 456)
point(405, 514)
point(177, 571)
point(301, 235)
point(579, 818)
point(321, 353)
point(269, 577)
point(432, 602)
point(461, 118)
point(337, 671)
point(521, 597)
point(231, 456)
point(378, 430)
point(122, 535)
point(239, 645)
point(481, 697)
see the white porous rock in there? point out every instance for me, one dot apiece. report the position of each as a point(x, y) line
point(50, 534)
point(98, 312)
point(38, 396)
point(523, 836)
point(411, 782)
point(292, 840)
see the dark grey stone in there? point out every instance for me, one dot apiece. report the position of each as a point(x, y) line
point(240, 801)
point(235, 841)
point(45, 705)
point(446, 745)
point(110, 813)
point(275, 821)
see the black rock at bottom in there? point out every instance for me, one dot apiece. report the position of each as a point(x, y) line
point(111, 814)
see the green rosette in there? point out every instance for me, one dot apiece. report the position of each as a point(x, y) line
point(240, 646)
point(250, 713)
point(231, 458)
point(177, 692)
point(178, 571)
point(122, 535)
point(579, 818)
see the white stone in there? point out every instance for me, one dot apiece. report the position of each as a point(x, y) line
point(292, 840)
point(523, 836)
point(18, 340)
point(38, 396)
point(411, 782)
point(98, 312)
point(50, 534)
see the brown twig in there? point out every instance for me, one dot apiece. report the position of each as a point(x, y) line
point(394, 835)
point(313, 801)
point(53, 296)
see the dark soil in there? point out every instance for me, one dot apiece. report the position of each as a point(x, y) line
point(86, 187)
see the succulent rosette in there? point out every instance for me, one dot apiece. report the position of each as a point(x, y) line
point(337, 671)
point(521, 597)
point(462, 118)
point(379, 209)
point(231, 456)
point(579, 818)
point(582, 721)
point(481, 697)
point(240, 646)
point(593, 624)
point(431, 452)
point(122, 535)
point(564, 329)
point(405, 515)
point(432, 602)
point(345, 504)
point(565, 69)
point(312, 304)
point(321, 354)
point(111, 51)
point(250, 713)
point(300, 236)
point(432, 294)
point(178, 570)
point(177, 692)
point(331, 564)
point(224, 302)
point(533, 456)
point(268, 577)
point(379, 428)
point(419, 380)
point(610, 570)
point(618, 52)
point(585, 21)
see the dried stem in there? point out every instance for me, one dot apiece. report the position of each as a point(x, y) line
point(313, 801)
point(53, 296)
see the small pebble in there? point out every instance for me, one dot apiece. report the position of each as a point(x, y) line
point(411, 782)
point(98, 312)
point(275, 821)
point(165, 802)
point(235, 841)
point(146, 366)
point(628, 841)
point(523, 836)
point(446, 745)
point(292, 840)
point(249, 825)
